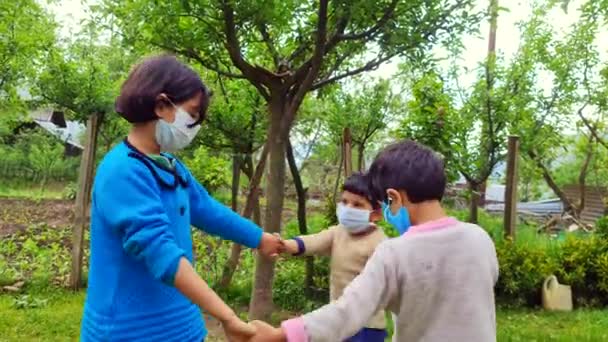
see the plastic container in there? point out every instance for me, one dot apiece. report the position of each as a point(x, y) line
point(556, 297)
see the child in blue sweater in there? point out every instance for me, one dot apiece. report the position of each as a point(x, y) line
point(142, 285)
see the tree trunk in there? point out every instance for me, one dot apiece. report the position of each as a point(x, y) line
point(582, 177)
point(361, 157)
point(301, 194)
point(252, 206)
point(236, 179)
point(261, 305)
point(474, 203)
point(340, 165)
point(569, 207)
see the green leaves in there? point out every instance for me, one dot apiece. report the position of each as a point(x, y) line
point(213, 172)
point(432, 119)
point(26, 31)
point(84, 77)
point(365, 109)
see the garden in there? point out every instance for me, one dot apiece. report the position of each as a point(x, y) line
point(512, 96)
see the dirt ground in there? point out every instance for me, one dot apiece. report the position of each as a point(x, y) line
point(17, 214)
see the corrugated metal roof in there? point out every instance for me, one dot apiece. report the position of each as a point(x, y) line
point(70, 134)
point(546, 207)
point(495, 193)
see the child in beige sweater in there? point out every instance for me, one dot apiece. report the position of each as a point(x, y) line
point(437, 278)
point(349, 244)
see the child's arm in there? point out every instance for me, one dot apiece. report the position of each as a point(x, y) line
point(217, 219)
point(188, 282)
point(371, 291)
point(313, 244)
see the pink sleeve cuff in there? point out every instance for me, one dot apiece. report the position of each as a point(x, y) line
point(295, 330)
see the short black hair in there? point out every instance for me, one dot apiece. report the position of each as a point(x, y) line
point(411, 167)
point(358, 184)
point(152, 77)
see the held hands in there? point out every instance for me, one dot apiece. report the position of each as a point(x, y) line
point(271, 245)
point(290, 247)
point(237, 330)
point(267, 333)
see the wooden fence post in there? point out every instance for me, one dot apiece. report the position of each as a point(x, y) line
point(347, 152)
point(510, 219)
point(85, 181)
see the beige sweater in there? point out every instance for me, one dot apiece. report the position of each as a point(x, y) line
point(349, 254)
point(438, 281)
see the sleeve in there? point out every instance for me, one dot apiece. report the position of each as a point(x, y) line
point(316, 244)
point(369, 292)
point(213, 217)
point(137, 214)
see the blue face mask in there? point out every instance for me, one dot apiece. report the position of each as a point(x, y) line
point(401, 220)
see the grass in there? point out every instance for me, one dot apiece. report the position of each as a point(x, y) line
point(40, 254)
point(58, 319)
point(15, 189)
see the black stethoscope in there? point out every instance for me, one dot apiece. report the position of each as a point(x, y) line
point(178, 179)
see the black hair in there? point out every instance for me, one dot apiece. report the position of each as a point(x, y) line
point(156, 75)
point(358, 184)
point(411, 167)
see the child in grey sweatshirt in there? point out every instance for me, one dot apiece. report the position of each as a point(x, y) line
point(437, 278)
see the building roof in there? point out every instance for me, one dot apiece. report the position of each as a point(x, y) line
point(546, 207)
point(54, 122)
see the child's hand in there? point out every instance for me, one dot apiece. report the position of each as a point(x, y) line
point(290, 247)
point(237, 330)
point(271, 245)
point(267, 333)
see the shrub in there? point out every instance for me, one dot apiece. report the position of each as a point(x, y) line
point(583, 264)
point(601, 227)
point(523, 268)
point(330, 211)
point(213, 172)
point(70, 191)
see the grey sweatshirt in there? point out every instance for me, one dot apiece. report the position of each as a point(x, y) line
point(438, 281)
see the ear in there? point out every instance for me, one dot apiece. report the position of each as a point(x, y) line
point(163, 108)
point(375, 215)
point(394, 197)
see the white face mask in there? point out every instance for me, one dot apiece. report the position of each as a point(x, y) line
point(175, 136)
point(353, 219)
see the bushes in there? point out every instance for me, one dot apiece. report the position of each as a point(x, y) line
point(579, 261)
point(523, 268)
point(584, 265)
point(37, 157)
point(213, 172)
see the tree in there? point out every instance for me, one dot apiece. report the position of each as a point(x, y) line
point(466, 126)
point(544, 115)
point(286, 50)
point(236, 125)
point(27, 31)
point(82, 77)
point(487, 108)
point(430, 118)
point(366, 110)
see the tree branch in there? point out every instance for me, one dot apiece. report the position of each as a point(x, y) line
point(192, 54)
point(388, 13)
point(569, 207)
point(255, 75)
point(368, 66)
point(592, 128)
point(316, 62)
point(583, 175)
point(269, 44)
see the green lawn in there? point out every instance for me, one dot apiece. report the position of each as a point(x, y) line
point(16, 189)
point(58, 319)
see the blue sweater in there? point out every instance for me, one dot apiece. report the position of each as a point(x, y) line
point(140, 227)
